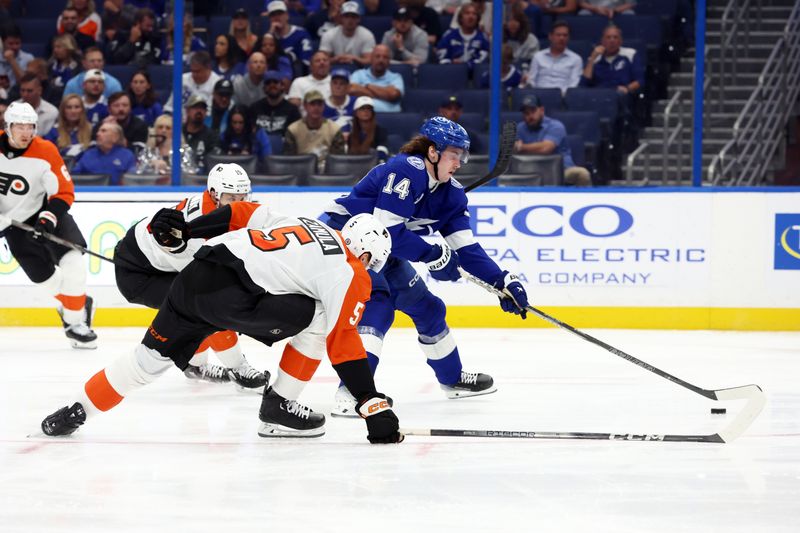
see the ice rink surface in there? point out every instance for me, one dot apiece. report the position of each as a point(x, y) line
point(185, 456)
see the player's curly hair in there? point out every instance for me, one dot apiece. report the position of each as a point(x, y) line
point(417, 146)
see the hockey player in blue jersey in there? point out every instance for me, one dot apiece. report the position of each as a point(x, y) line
point(412, 195)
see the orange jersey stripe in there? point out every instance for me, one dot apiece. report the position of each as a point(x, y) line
point(241, 213)
point(343, 342)
point(101, 393)
point(73, 303)
point(47, 151)
point(181, 205)
point(298, 365)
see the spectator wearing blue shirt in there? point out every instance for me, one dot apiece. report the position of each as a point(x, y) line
point(14, 59)
point(541, 135)
point(612, 66)
point(339, 105)
point(191, 43)
point(143, 98)
point(385, 87)
point(509, 75)
point(242, 138)
point(93, 99)
point(108, 155)
point(277, 59)
point(93, 59)
point(224, 58)
point(465, 44)
point(557, 66)
point(295, 41)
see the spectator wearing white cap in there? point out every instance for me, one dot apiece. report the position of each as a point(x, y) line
point(295, 41)
point(407, 42)
point(93, 98)
point(385, 87)
point(93, 59)
point(349, 42)
point(365, 132)
point(339, 105)
point(318, 80)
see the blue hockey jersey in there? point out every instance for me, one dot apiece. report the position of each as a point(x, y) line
point(297, 45)
point(470, 49)
point(410, 204)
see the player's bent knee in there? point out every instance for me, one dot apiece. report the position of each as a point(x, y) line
point(73, 271)
point(136, 369)
point(52, 285)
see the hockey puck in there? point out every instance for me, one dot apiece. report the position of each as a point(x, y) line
point(718, 411)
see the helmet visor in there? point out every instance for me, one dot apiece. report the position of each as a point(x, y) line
point(453, 153)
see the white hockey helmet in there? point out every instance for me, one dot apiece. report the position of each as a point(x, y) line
point(20, 113)
point(364, 233)
point(228, 178)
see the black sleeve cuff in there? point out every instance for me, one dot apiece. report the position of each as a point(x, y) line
point(211, 225)
point(357, 377)
point(58, 207)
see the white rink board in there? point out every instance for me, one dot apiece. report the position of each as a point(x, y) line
point(654, 249)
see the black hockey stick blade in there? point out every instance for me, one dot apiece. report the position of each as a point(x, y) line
point(561, 435)
point(59, 240)
point(752, 393)
point(507, 138)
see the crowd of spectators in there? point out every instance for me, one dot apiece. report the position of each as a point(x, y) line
point(318, 87)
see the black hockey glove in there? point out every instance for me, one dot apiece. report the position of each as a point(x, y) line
point(169, 228)
point(46, 223)
point(442, 263)
point(382, 423)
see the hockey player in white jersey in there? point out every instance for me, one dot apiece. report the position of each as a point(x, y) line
point(36, 188)
point(294, 277)
point(145, 270)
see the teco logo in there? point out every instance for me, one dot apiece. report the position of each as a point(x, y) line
point(549, 220)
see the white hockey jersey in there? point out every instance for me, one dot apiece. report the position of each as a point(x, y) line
point(290, 255)
point(28, 180)
point(193, 207)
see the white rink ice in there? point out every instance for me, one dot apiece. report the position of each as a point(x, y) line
point(184, 456)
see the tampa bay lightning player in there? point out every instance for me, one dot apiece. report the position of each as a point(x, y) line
point(412, 195)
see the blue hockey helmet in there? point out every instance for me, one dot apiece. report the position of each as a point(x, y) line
point(444, 132)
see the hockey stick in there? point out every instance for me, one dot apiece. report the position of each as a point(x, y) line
point(559, 435)
point(507, 139)
point(752, 393)
point(57, 240)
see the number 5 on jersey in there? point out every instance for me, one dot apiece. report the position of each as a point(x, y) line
point(401, 188)
point(356, 313)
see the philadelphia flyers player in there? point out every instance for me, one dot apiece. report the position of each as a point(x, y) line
point(145, 270)
point(35, 188)
point(293, 277)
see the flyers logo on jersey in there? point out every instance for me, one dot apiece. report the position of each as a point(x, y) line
point(13, 183)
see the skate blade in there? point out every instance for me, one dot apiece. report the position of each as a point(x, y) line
point(344, 414)
point(91, 345)
point(255, 390)
point(457, 394)
point(276, 430)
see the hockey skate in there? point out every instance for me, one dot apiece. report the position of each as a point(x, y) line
point(81, 335)
point(248, 379)
point(65, 421)
point(470, 384)
point(207, 372)
point(345, 404)
point(287, 418)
